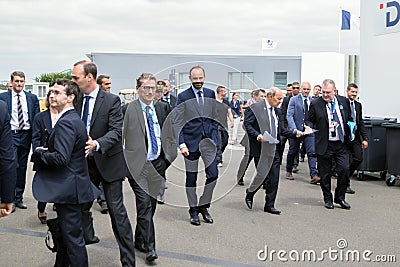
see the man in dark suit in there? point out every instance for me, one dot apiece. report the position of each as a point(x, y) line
point(8, 171)
point(62, 175)
point(360, 141)
point(101, 113)
point(147, 157)
point(171, 99)
point(22, 107)
point(329, 115)
point(296, 113)
point(196, 123)
point(261, 117)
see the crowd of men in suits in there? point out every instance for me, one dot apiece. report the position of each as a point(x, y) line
point(92, 144)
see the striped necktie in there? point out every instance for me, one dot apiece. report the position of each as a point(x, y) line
point(21, 123)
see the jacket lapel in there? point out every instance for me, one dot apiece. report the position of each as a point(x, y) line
point(139, 112)
point(97, 106)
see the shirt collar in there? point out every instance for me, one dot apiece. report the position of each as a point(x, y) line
point(143, 105)
point(94, 93)
point(22, 93)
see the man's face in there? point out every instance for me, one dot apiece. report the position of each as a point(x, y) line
point(147, 91)
point(78, 76)
point(9, 86)
point(106, 85)
point(317, 91)
point(275, 100)
point(352, 93)
point(58, 97)
point(328, 92)
point(289, 90)
point(223, 92)
point(296, 89)
point(18, 84)
point(197, 78)
point(305, 89)
point(167, 87)
point(261, 96)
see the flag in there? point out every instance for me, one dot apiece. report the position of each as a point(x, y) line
point(350, 21)
point(268, 43)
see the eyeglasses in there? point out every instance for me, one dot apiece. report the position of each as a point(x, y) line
point(306, 88)
point(148, 88)
point(56, 92)
point(296, 88)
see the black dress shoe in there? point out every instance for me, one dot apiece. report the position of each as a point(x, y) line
point(13, 208)
point(295, 169)
point(349, 190)
point(343, 204)
point(329, 205)
point(42, 219)
point(272, 210)
point(151, 256)
point(240, 182)
point(206, 216)
point(140, 247)
point(249, 199)
point(301, 159)
point(21, 205)
point(194, 219)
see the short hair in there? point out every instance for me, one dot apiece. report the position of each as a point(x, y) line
point(257, 91)
point(272, 91)
point(219, 88)
point(88, 67)
point(101, 77)
point(295, 83)
point(326, 82)
point(317, 85)
point(352, 85)
point(71, 88)
point(145, 76)
point(289, 85)
point(197, 67)
point(17, 73)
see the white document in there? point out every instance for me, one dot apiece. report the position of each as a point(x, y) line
point(268, 138)
point(309, 131)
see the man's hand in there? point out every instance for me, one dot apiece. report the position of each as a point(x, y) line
point(5, 209)
point(307, 130)
point(185, 151)
point(231, 124)
point(260, 138)
point(299, 134)
point(90, 145)
point(364, 144)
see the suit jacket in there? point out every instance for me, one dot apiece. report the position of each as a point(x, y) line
point(41, 129)
point(190, 124)
point(284, 107)
point(135, 136)
point(106, 129)
point(318, 119)
point(8, 166)
point(172, 101)
point(295, 112)
point(63, 175)
point(361, 133)
point(31, 100)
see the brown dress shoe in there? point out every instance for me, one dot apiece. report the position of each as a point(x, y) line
point(315, 179)
point(289, 176)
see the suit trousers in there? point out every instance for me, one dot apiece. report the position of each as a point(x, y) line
point(336, 152)
point(223, 135)
point(72, 250)
point(211, 170)
point(294, 148)
point(146, 188)
point(119, 217)
point(22, 145)
point(356, 156)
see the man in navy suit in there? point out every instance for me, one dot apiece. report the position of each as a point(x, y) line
point(8, 174)
point(62, 176)
point(22, 107)
point(171, 99)
point(261, 117)
point(296, 113)
point(329, 114)
point(197, 126)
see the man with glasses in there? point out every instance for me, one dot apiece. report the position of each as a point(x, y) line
point(22, 106)
point(296, 114)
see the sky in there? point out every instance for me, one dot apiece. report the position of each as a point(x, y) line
point(41, 36)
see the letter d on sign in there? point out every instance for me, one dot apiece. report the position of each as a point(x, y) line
point(391, 23)
point(262, 252)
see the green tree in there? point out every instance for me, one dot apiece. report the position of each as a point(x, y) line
point(51, 77)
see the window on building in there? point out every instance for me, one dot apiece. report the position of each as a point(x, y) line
point(42, 91)
point(280, 80)
point(183, 80)
point(240, 80)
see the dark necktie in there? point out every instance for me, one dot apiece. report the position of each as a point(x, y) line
point(273, 127)
point(85, 114)
point(305, 108)
point(339, 127)
point(201, 102)
point(150, 123)
point(353, 113)
point(20, 113)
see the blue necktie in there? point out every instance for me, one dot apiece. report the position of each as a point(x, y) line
point(154, 146)
point(201, 102)
point(273, 126)
point(353, 114)
point(339, 127)
point(85, 114)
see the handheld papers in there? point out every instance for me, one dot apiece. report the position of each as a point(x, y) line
point(268, 138)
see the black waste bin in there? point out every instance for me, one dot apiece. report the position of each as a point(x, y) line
point(374, 158)
point(393, 147)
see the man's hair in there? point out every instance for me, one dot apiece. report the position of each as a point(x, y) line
point(71, 88)
point(17, 73)
point(219, 88)
point(317, 85)
point(88, 67)
point(145, 76)
point(257, 91)
point(289, 85)
point(352, 85)
point(272, 91)
point(197, 67)
point(327, 82)
point(295, 83)
point(101, 77)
